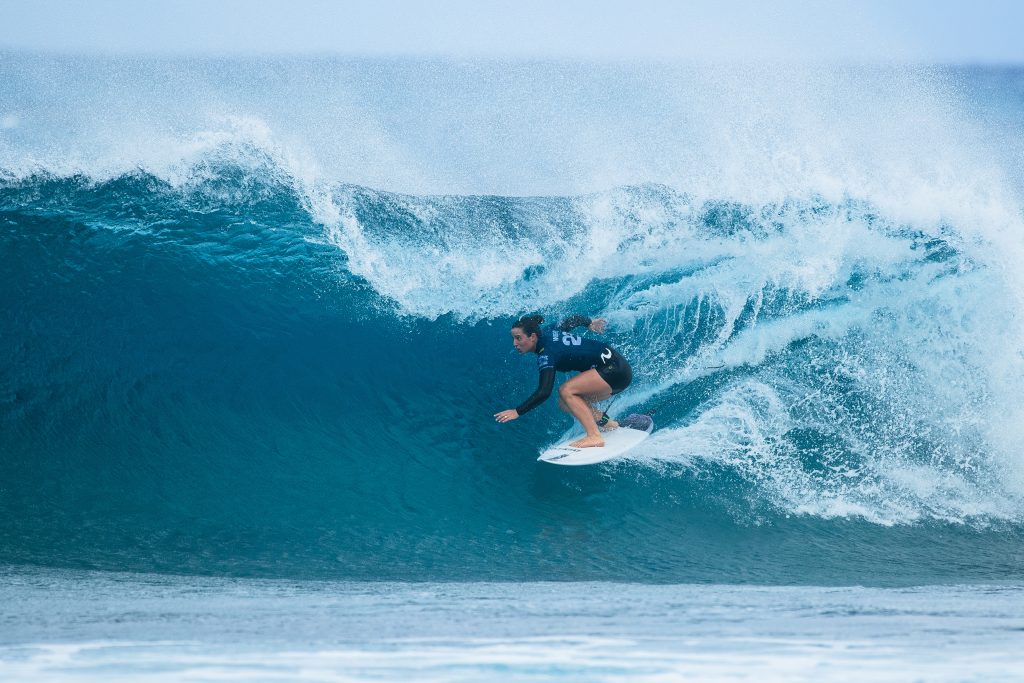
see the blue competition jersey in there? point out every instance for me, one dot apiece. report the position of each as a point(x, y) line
point(565, 351)
point(559, 350)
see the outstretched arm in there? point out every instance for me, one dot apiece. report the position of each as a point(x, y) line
point(544, 387)
point(574, 321)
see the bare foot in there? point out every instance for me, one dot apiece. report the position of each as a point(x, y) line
point(609, 425)
point(588, 442)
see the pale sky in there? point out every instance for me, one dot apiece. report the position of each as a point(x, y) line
point(945, 31)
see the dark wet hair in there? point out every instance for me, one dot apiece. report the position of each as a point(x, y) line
point(529, 324)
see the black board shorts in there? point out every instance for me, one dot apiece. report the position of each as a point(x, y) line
point(617, 371)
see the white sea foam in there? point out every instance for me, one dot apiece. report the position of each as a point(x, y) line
point(149, 628)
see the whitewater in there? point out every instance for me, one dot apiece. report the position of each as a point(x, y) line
point(255, 320)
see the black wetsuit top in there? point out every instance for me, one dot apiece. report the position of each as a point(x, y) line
point(560, 350)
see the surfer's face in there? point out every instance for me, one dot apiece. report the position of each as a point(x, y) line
point(524, 343)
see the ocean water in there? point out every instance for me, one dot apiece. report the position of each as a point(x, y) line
point(86, 626)
point(254, 326)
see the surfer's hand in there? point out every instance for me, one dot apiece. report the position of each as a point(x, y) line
point(597, 325)
point(506, 415)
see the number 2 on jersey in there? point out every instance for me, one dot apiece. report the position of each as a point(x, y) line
point(570, 339)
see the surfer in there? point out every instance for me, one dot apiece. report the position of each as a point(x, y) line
point(603, 371)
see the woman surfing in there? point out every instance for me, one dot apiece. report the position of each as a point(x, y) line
point(603, 371)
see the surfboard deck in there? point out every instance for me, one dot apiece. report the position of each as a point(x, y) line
point(631, 432)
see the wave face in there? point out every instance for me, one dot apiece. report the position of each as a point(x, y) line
point(225, 354)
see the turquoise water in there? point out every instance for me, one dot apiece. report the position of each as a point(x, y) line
point(255, 326)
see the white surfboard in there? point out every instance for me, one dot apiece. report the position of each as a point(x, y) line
point(631, 432)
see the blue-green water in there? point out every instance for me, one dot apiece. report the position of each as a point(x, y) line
point(254, 322)
point(223, 357)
